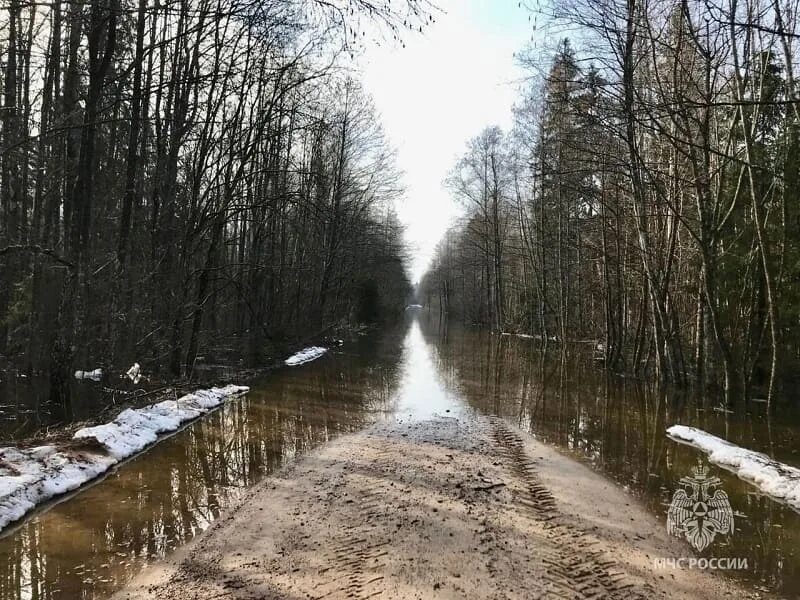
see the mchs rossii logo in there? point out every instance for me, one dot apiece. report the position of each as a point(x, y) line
point(700, 510)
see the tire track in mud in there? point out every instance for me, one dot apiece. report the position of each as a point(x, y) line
point(355, 559)
point(573, 568)
point(358, 561)
point(438, 509)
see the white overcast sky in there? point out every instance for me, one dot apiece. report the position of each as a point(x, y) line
point(442, 89)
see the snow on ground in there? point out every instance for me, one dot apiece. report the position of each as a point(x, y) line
point(135, 429)
point(525, 336)
point(95, 375)
point(774, 478)
point(134, 373)
point(31, 476)
point(304, 356)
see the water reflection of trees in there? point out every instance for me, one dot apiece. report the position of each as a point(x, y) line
point(91, 544)
point(618, 425)
point(29, 405)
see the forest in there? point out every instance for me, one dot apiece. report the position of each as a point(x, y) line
point(184, 179)
point(646, 198)
point(187, 178)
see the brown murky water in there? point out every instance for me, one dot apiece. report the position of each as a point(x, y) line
point(618, 426)
point(93, 542)
point(90, 544)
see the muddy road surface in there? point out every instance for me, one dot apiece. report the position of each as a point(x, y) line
point(464, 507)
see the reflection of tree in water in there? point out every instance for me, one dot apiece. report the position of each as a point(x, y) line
point(618, 425)
point(91, 544)
point(31, 404)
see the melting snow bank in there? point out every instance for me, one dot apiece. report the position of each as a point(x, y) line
point(525, 336)
point(305, 356)
point(770, 476)
point(135, 429)
point(31, 476)
point(95, 375)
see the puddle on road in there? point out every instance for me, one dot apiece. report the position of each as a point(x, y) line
point(93, 543)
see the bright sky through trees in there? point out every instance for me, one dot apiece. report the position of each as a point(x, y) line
point(439, 91)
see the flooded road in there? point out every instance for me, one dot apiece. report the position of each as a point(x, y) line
point(92, 543)
point(618, 426)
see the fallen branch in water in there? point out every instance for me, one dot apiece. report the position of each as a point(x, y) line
point(134, 396)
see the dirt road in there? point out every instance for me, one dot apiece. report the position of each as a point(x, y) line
point(446, 508)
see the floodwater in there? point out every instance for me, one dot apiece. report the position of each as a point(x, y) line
point(93, 542)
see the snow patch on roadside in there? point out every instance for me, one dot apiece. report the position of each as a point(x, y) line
point(524, 336)
point(304, 356)
point(95, 375)
point(135, 429)
point(774, 478)
point(30, 476)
